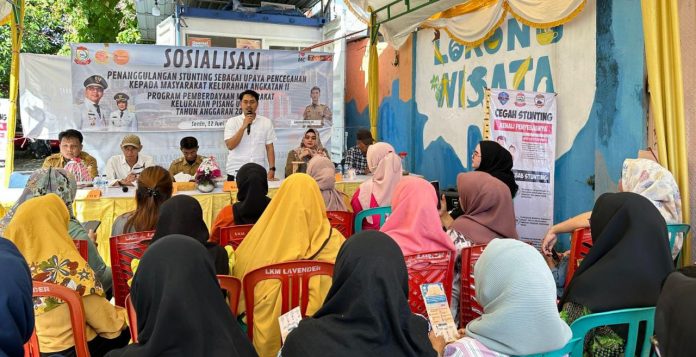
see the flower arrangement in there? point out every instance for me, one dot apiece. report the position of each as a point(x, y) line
point(206, 174)
point(78, 169)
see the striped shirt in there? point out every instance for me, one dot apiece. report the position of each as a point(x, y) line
point(469, 347)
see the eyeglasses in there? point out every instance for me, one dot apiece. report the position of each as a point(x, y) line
point(653, 154)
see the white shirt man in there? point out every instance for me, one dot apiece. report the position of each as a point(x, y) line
point(249, 144)
point(126, 167)
point(93, 117)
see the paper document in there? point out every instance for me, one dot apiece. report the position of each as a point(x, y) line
point(288, 321)
point(439, 312)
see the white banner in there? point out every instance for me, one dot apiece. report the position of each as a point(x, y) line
point(44, 95)
point(46, 110)
point(525, 123)
point(164, 88)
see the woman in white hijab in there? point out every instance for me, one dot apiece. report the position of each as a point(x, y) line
point(518, 295)
point(644, 176)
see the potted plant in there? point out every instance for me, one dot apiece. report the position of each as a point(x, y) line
point(206, 174)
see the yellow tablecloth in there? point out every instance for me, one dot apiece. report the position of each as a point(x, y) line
point(106, 209)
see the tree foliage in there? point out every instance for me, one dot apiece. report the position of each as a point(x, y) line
point(43, 33)
point(51, 25)
point(105, 21)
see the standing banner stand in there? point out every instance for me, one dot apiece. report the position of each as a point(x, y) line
point(525, 124)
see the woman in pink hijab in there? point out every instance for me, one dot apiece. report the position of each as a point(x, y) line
point(323, 172)
point(377, 190)
point(487, 213)
point(414, 223)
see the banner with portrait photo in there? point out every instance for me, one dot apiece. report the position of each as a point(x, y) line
point(127, 88)
point(525, 124)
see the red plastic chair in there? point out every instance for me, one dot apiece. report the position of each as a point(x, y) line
point(234, 235)
point(428, 267)
point(342, 221)
point(469, 309)
point(580, 244)
point(132, 319)
point(77, 317)
point(124, 248)
point(83, 248)
point(294, 279)
point(233, 287)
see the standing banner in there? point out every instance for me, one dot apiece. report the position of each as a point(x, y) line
point(164, 88)
point(525, 124)
point(4, 138)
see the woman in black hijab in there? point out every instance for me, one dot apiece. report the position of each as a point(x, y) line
point(675, 315)
point(496, 160)
point(252, 191)
point(252, 183)
point(16, 306)
point(179, 306)
point(183, 215)
point(625, 267)
point(366, 312)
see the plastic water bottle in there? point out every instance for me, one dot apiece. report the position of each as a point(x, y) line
point(96, 182)
point(103, 184)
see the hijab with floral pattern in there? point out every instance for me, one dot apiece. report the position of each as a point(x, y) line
point(44, 242)
point(42, 182)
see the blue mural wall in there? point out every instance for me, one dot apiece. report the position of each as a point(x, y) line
point(614, 131)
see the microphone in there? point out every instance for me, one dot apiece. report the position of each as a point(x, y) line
point(249, 126)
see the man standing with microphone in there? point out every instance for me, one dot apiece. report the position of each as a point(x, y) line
point(249, 137)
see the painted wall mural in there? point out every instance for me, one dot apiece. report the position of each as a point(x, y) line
point(451, 79)
point(432, 103)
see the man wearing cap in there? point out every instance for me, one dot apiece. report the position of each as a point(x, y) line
point(93, 117)
point(249, 137)
point(122, 119)
point(317, 111)
point(123, 170)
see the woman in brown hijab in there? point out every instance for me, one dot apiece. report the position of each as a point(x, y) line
point(488, 213)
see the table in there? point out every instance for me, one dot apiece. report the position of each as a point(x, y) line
point(115, 202)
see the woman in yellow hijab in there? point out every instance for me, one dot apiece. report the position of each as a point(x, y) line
point(294, 226)
point(44, 242)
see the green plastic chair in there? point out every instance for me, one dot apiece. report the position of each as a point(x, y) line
point(632, 317)
point(675, 229)
point(383, 212)
point(563, 351)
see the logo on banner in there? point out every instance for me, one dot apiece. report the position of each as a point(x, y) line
point(320, 57)
point(82, 55)
point(121, 57)
point(519, 100)
point(503, 97)
point(300, 57)
point(101, 57)
point(539, 100)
